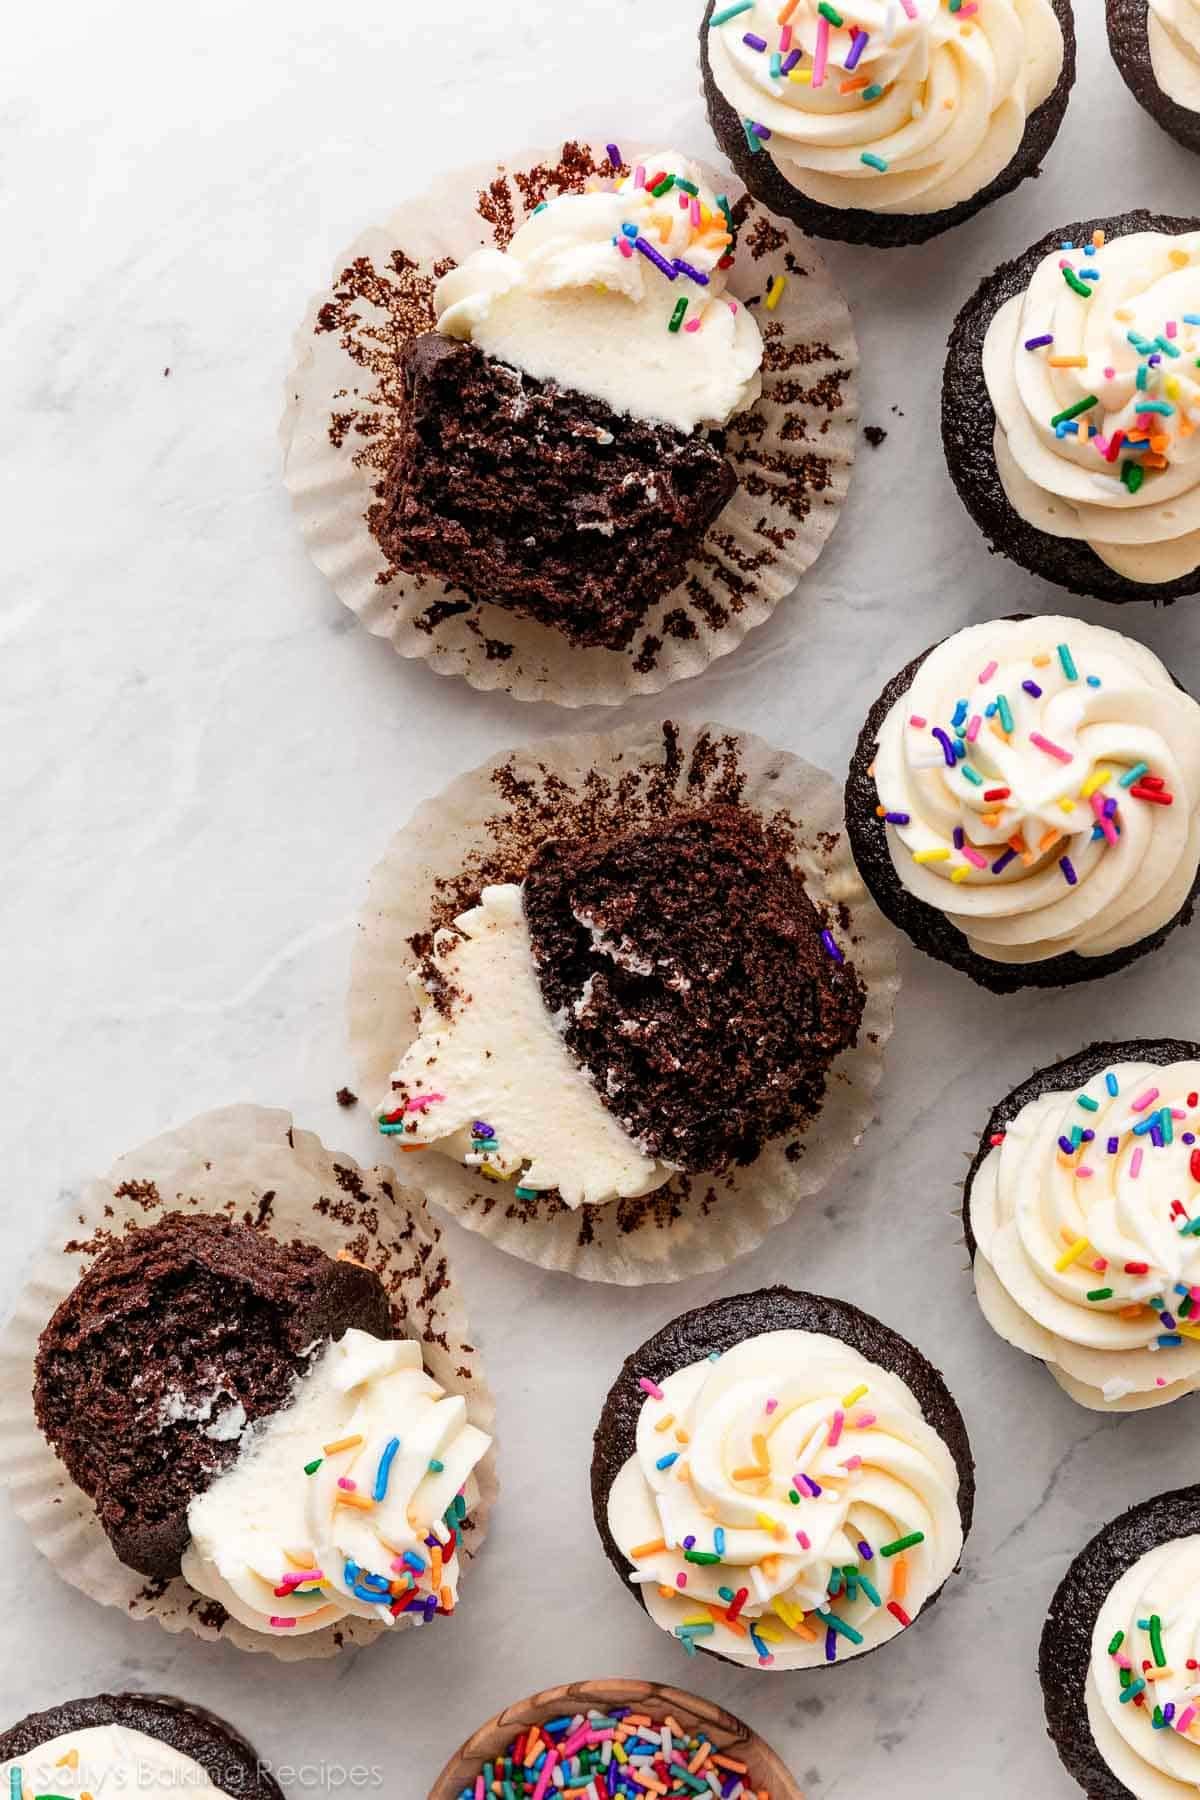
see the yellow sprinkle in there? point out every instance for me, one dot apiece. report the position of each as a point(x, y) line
point(1125, 315)
point(1171, 387)
point(69, 1761)
point(802, 77)
point(1186, 1330)
point(775, 292)
point(1180, 258)
point(1072, 1255)
point(1095, 780)
point(930, 856)
point(961, 875)
point(1068, 806)
point(858, 1393)
point(696, 1618)
point(758, 1444)
point(769, 1524)
point(1067, 362)
point(666, 1422)
point(1041, 660)
point(767, 1632)
point(346, 1443)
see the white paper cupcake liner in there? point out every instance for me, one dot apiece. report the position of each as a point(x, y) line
point(793, 451)
point(478, 830)
point(248, 1163)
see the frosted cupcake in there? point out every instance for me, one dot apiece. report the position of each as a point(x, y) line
point(1081, 1210)
point(1070, 404)
point(890, 121)
point(781, 1480)
point(1118, 1660)
point(1156, 46)
point(115, 1743)
point(1024, 802)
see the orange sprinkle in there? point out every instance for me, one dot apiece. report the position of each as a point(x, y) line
point(435, 1567)
point(1130, 1312)
point(1098, 238)
point(650, 1549)
point(1067, 362)
point(900, 1578)
point(727, 1762)
point(758, 1444)
point(682, 1436)
point(1041, 660)
point(754, 1474)
point(856, 86)
point(1048, 838)
point(346, 1443)
point(722, 1618)
point(666, 1422)
point(788, 9)
point(69, 1761)
point(447, 1599)
point(363, 1502)
point(701, 1757)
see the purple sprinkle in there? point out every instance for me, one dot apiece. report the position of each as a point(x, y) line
point(480, 1128)
point(1169, 1711)
point(1167, 1319)
point(830, 1644)
point(1189, 1137)
point(1068, 869)
point(1089, 1137)
point(614, 155)
point(1110, 808)
point(1037, 342)
point(960, 837)
point(790, 61)
point(755, 43)
point(896, 818)
point(1114, 1144)
point(865, 1550)
point(947, 746)
point(660, 262)
point(696, 275)
point(1066, 1146)
point(831, 947)
point(689, 1543)
point(859, 44)
point(1001, 863)
point(1031, 687)
point(1156, 1136)
point(760, 131)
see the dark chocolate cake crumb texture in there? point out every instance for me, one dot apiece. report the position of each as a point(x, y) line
point(172, 1330)
point(688, 963)
point(540, 499)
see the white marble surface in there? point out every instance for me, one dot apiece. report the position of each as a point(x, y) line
point(202, 758)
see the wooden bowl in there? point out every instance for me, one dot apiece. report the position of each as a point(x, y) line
point(727, 1733)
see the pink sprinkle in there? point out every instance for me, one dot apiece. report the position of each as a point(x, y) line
point(282, 1624)
point(852, 1462)
point(835, 1430)
point(296, 1578)
point(1185, 1718)
point(909, 8)
point(821, 52)
point(626, 249)
point(864, 1421)
point(692, 324)
point(345, 1482)
point(973, 857)
point(639, 176)
point(985, 675)
point(683, 202)
point(421, 1102)
point(1110, 374)
point(1101, 446)
point(785, 40)
point(804, 1541)
point(1144, 1100)
point(1172, 328)
point(964, 12)
point(1054, 750)
point(803, 1485)
point(1135, 1164)
point(480, 1790)
point(918, 722)
point(575, 1742)
point(651, 1387)
point(681, 1581)
point(695, 211)
point(543, 1780)
point(1160, 1381)
point(771, 1405)
point(973, 728)
point(1082, 1170)
point(733, 306)
point(1102, 819)
point(1122, 1662)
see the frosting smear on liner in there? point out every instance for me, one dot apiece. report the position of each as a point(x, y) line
point(787, 1504)
point(619, 294)
point(346, 1502)
point(1143, 1686)
point(1040, 781)
point(104, 1762)
point(1086, 1218)
point(1093, 374)
point(892, 106)
point(1173, 29)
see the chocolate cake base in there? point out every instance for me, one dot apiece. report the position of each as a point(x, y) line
point(1066, 1647)
point(710, 1022)
point(722, 1324)
point(926, 927)
point(540, 499)
point(1129, 41)
point(884, 231)
point(969, 423)
point(229, 1761)
point(168, 1330)
point(1067, 1076)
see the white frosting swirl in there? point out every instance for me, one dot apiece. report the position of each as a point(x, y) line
point(719, 1457)
point(1043, 838)
point(1085, 1256)
point(492, 1084)
point(1161, 1589)
point(390, 1455)
point(1173, 28)
point(1123, 475)
point(105, 1761)
point(573, 300)
point(923, 115)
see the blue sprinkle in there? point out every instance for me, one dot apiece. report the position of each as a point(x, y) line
point(719, 1541)
point(385, 1468)
point(666, 1462)
point(1112, 1084)
point(1094, 681)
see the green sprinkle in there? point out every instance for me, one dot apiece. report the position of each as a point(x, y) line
point(874, 92)
point(436, 1467)
point(1005, 711)
point(904, 1543)
point(793, 1496)
point(730, 12)
point(1117, 1641)
point(1078, 287)
point(1132, 1691)
point(664, 187)
point(1087, 1103)
point(1064, 653)
point(312, 1467)
point(706, 1558)
point(1073, 412)
point(1133, 475)
point(869, 1589)
point(839, 1625)
point(971, 774)
point(831, 13)
point(689, 187)
point(1101, 1294)
point(1156, 1643)
point(525, 1193)
point(874, 162)
point(723, 203)
point(677, 316)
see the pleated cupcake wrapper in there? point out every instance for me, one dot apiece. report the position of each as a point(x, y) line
point(696, 1223)
point(246, 1163)
point(793, 451)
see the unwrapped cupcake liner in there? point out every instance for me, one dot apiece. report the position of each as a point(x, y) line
point(793, 450)
point(250, 1164)
point(483, 828)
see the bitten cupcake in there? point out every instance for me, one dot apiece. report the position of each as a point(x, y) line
point(1024, 802)
point(1156, 46)
point(120, 1743)
point(1070, 404)
point(1081, 1210)
point(1118, 1656)
point(888, 121)
point(781, 1480)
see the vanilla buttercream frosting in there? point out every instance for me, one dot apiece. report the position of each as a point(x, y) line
point(104, 1761)
point(1086, 1254)
point(787, 1504)
point(1173, 29)
point(490, 1081)
point(1040, 781)
point(619, 293)
point(903, 107)
point(1092, 373)
point(1143, 1698)
point(346, 1501)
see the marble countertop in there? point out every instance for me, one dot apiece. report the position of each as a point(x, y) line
point(203, 756)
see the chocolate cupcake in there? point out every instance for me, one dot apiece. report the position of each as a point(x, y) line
point(1023, 802)
point(888, 123)
point(1118, 1656)
point(1156, 46)
point(1079, 1209)
point(240, 1413)
point(146, 1743)
point(783, 1481)
point(1069, 406)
